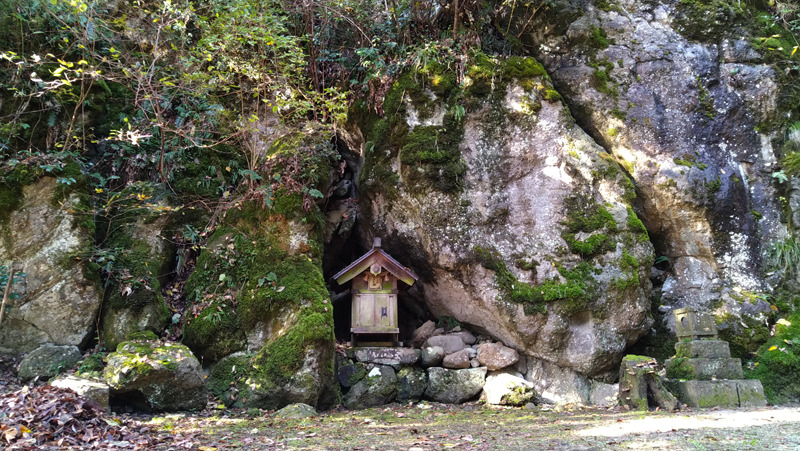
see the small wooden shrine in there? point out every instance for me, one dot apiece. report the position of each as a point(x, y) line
point(375, 288)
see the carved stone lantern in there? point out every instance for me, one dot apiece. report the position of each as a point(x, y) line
point(693, 325)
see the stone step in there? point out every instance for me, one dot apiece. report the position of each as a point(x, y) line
point(708, 349)
point(387, 356)
point(720, 393)
point(704, 369)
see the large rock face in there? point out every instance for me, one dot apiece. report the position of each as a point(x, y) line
point(143, 237)
point(676, 94)
point(518, 223)
point(57, 303)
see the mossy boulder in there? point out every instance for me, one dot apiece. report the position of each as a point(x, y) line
point(258, 287)
point(454, 386)
point(508, 388)
point(379, 387)
point(47, 361)
point(296, 411)
point(166, 374)
point(411, 383)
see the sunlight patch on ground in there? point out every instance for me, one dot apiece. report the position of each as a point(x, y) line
point(717, 420)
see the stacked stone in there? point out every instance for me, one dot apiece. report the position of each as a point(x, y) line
point(450, 368)
point(703, 373)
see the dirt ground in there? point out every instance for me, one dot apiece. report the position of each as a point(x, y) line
point(426, 426)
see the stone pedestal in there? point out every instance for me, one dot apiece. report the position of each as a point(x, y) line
point(719, 393)
point(638, 379)
point(702, 373)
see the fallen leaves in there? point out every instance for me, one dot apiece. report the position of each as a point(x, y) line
point(48, 416)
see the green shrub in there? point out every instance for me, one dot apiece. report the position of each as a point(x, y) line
point(778, 362)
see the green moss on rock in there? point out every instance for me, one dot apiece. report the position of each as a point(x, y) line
point(587, 217)
point(704, 20)
point(572, 294)
point(249, 278)
point(637, 227)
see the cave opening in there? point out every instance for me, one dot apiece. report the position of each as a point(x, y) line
point(348, 237)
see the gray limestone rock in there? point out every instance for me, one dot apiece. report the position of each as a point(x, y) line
point(495, 356)
point(605, 395)
point(466, 337)
point(296, 411)
point(388, 356)
point(508, 388)
point(56, 303)
point(379, 387)
point(679, 112)
point(450, 343)
point(167, 374)
point(411, 383)
point(556, 385)
point(475, 251)
point(457, 360)
point(89, 389)
point(454, 386)
point(422, 333)
point(47, 361)
point(431, 356)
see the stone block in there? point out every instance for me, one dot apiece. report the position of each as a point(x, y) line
point(751, 393)
point(706, 393)
point(632, 382)
point(89, 389)
point(388, 356)
point(704, 369)
point(454, 386)
point(431, 356)
point(495, 356)
point(457, 360)
point(508, 388)
point(450, 343)
point(689, 323)
point(708, 349)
